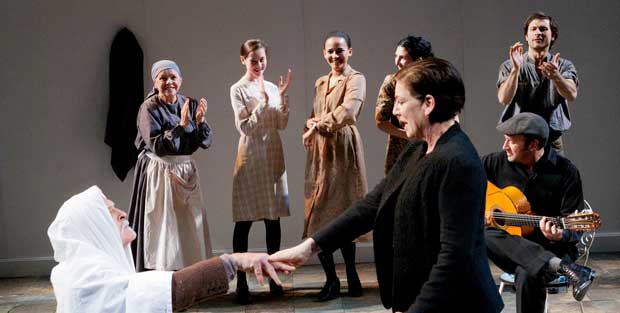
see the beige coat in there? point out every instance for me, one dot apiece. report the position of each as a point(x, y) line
point(335, 168)
point(260, 188)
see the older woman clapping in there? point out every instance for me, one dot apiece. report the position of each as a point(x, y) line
point(166, 206)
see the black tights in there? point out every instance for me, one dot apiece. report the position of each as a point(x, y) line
point(240, 241)
point(348, 254)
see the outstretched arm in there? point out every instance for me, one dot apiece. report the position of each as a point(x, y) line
point(297, 255)
point(210, 277)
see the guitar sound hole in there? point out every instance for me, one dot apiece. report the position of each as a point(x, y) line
point(499, 220)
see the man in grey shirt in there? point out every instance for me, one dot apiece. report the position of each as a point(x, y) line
point(536, 81)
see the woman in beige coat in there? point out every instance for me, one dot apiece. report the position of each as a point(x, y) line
point(335, 169)
point(260, 191)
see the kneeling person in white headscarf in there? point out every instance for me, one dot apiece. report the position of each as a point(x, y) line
point(95, 273)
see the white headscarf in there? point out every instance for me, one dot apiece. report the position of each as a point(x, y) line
point(162, 65)
point(159, 66)
point(95, 272)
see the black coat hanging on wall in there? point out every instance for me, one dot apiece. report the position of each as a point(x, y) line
point(126, 96)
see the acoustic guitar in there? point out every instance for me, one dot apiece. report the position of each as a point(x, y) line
point(508, 209)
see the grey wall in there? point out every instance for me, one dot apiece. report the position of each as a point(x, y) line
point(54, 99)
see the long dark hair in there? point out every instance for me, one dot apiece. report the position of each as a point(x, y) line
point(417, 47)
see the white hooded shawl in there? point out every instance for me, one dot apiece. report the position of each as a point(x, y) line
point(95, 272)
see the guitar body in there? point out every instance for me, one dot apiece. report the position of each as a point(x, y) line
point(506, 200)
point(508, 209)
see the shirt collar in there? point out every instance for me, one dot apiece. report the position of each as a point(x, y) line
point(348, 71)
point(526, 56)
point(550, 157)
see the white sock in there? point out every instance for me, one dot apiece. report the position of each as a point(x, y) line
point(554, 264)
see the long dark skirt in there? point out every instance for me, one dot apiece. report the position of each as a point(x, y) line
point(136, 210)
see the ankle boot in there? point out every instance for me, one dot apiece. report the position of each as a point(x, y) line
point(331, 289)
point(580, 277)
point(275, 289)
point(353, 280)
point(243, 291)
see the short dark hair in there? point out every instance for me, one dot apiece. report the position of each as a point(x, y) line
point(555, 31)
point(252, 45)
point(417, 47)
point(530, 138)
point(340, 34)
point(438, 78)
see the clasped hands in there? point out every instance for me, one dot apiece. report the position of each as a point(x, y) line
point(261, 266)
point(284, 261)
point(307, 138)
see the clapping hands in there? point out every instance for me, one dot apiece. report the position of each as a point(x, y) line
point(551, 69)
point(201, 111)
point(283, 84)
point(261, 83)
point(516, 55)
point(185, 114)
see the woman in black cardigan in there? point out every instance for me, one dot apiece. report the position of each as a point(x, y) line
point(427, 214)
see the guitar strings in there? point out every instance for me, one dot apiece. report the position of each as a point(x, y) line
point(522, 219)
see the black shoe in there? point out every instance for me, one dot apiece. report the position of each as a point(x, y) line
point(580, 277)
point(275, 289)
point(331, 290)
point(243, 296)
point(355, 286)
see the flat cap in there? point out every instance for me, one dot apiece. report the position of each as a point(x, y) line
point(525, 123)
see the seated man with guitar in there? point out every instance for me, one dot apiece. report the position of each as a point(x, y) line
point(552, 185)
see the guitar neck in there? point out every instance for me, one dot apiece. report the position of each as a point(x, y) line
point(512, 219)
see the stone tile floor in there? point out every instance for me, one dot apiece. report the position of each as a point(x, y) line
point(21, 295)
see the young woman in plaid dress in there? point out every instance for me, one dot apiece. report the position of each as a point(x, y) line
point(260, 190)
